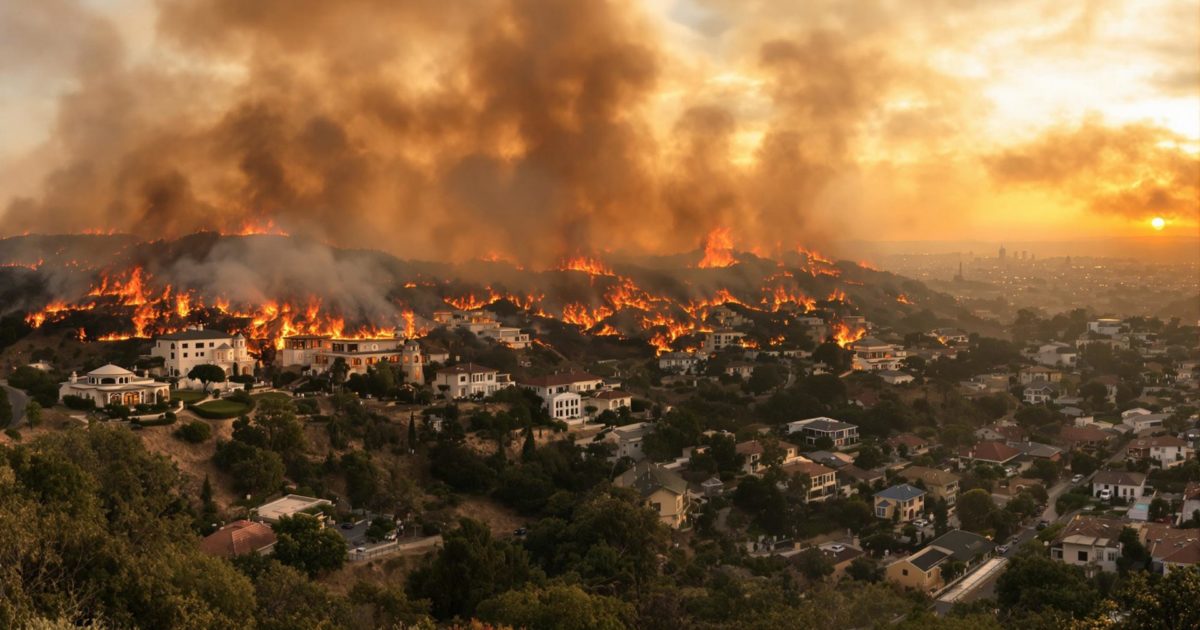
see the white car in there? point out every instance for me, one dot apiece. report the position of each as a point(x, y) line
point(1106, 494)
point(920, 522)
point(1076, 478)
point(837, 548)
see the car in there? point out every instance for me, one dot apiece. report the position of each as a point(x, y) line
point(360, 550)
point(1076, 478)
point(1043, 524)
point(1002, 549)
point(520, 531)
point(347, 525)
point(837, 548)
point(920, 522)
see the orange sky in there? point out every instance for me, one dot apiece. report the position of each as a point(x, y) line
point(796, 121)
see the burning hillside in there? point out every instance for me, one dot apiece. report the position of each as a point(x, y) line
point(270, 287)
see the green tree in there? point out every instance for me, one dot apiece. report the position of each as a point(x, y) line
point(5, 408)
point(302, 543)
point(471, 567)
point(284, 433)
point(1034, 583)
point(556, 606)
point(974, 509)
point(207, 373)
point(1172, 603)
point(813, 564)
point(33, 413)
point(865, 569)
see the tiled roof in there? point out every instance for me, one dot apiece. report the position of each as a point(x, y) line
point(990, 452)
point(901, 492)
point(1119, 478)
point(237, 538)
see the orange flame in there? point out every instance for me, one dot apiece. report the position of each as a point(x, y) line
point(718, 249)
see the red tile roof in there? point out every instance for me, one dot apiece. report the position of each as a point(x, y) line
point(990, 452)
point(237, 538)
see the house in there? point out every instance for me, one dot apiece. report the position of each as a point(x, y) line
point(1191, 502)
point(902, 502)
point(320, 352)
point(114, 385)
point(840, 556)
point(239, 538)
point(840, 434)
point(609, 400)
point(1037, 450)
point(996, 453)
point(1145, 421)
point(1056, 354)
point(752, 456)
point(1088, 438)
point(186, 349)
point(822, 481)
point(712, 487)
point(950, 336)
point(289, 505)
point(1108, 484)
point(911, 445)
point(850, 476)
point(468, 380)
point(1091, 542)
point(678, 362)
point(740, 369)
point(1110, 384)
point(663, 490)
point(562, 393)
point(894, 377)
point(1030, 374)
point(1039, 392)
point(1170, 548)
point(871, 354)
point(1105, 326)
point(922, 570)
point(720, 339)
point(940, 484)
point(628, 439)
point(1167, 450)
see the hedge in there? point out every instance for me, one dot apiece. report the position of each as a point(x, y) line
point(220, 409)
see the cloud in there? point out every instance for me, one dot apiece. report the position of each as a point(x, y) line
point(1136, 171)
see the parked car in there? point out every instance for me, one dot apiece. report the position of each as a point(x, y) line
point(1076, 478)
point(920, 522)
point(1002, 549)
point(1043, 524)
point(837, 548)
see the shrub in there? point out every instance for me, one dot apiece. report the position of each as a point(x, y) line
point(220, 409)
point(78, 403)
point(194, 432)
point(13, 433)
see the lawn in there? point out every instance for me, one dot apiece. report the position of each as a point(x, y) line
point(220, 409)
point(188, 396)
point(271, 396)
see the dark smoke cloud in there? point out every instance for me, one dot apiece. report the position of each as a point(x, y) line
point(1137, 171)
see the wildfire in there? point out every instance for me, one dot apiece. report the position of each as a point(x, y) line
point(718, 249)
point(845, 335)
point(590, 266)
point(253, 228)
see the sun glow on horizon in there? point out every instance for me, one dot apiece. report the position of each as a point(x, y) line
point(1158, 223)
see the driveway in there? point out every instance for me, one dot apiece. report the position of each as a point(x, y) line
point(17, 399)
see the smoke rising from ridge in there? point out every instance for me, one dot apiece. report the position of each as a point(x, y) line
point(534, 129)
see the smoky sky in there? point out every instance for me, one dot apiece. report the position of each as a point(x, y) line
point(528, 128)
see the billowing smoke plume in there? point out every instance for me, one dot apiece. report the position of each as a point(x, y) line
point(440, 131)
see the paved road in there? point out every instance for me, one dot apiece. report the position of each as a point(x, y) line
point(985, 586)
point(17, 399)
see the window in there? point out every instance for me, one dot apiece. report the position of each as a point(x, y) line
point(185, 355)
point(1083, 556)
point(881, 512)
point(185, 345)
point(903, 571)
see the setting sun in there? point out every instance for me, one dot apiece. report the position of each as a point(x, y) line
point(1158, 223)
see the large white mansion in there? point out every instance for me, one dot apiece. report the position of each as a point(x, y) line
point(114, 385)
point(184, 350)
